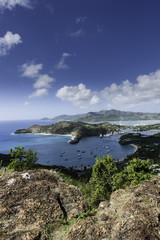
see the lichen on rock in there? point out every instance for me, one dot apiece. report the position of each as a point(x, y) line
point(28, 205)
point(131, 214)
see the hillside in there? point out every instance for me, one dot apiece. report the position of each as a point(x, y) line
point(107, 115)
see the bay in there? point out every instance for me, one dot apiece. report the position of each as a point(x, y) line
point(55, 149)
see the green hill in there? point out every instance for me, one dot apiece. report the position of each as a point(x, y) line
point(107, 115)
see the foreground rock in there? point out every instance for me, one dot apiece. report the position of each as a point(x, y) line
point(31, 201)
point(132, 214)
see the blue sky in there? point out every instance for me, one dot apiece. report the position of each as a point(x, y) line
point(68, 57)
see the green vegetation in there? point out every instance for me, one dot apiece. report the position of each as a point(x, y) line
point(4, 160)
point(101, 181)
point(91, 212)
point(134, 173)
point(148, 146)
point(106, 178)
point(21, 159)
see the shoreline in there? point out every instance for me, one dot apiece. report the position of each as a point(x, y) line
point(46, 134)
point(135, 146)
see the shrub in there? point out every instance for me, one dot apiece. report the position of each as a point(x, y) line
point(105, 177)
point(21, 159)
point(134, 173)
point(101, 180)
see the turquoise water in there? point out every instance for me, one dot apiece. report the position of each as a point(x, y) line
point(55, 150)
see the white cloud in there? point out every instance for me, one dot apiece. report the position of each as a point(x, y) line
point(10, 4)
point(8, 41)
point(43, 81)
point(78, 95)
point(78, 33)
point(81, 19)
point(39, 93)
point(145, 91)
point(31, 70)
point(62, 64)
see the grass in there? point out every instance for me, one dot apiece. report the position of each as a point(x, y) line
point(60, 230)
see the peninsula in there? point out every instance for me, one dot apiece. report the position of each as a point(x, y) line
point(76, 129)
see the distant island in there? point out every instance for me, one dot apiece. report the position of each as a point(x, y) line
point(106, 115)
point(77, 129)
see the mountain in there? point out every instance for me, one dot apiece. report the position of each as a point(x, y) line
point(63, 117)
point(107, 115)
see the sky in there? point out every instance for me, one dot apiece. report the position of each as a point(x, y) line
point(70, 57)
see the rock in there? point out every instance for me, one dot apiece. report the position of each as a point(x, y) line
point(22, 131)
point(33, 200)
point(131, 214)
point(74, 141)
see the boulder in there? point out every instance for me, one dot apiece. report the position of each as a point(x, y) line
point(31, 201)
point(131, 214)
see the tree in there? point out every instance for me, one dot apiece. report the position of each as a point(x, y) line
point(134, 173)
point(21, 159)
point(101, 180)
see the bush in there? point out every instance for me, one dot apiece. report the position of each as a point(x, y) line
point(21, 159)
point(101, 181)
point(134, 173)
point(105, 177)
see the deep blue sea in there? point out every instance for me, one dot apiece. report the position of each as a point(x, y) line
point(55, 149)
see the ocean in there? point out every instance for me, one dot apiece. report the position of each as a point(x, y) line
point(55, 149)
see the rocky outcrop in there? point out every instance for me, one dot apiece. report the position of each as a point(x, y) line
point(22, 131)
point(33, 129)
point(31, 201)
point(74, 141)
point(132, 214)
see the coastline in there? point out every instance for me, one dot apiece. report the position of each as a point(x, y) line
point(135, 146)
point(65, 135)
